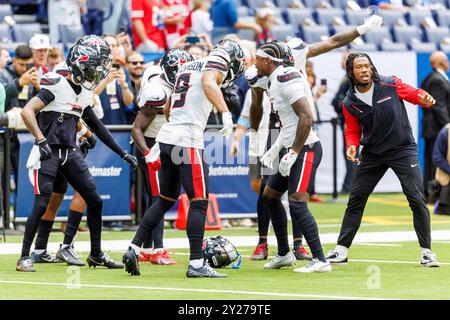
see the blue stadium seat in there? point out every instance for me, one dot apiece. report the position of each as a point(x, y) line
point(313, 34)
point(283, 4)
point(5, 10)
point(415, 17)
point(423, 47)
point(296, 16)
point(246, 34)
point(357, 17)
point(391, 16)
point(326, 16)
point(377, 35)
point(5, 33)
point(445, 48)
point(435, 35)
point(283, 32)
point(339, 3)
point(443, 17)
point(242, 11)
point(24, 32)
point(404, 34)
point(393, 46)
point(255, 4)
point(70, 34)
point(338, 29)
point(312, 3)
point(364, 47)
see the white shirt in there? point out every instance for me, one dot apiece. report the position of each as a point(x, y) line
point(365, 97)
point(201, 22)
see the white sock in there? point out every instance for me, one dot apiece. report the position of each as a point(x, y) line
point(156, 250)
point(197, 263)
point(136, 249)
point(425, 251)
point(63, 246)
point(40, 251)
point(147, 250)
point(342, 251)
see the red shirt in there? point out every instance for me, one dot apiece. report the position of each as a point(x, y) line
point(147, 11)
point(174, 8)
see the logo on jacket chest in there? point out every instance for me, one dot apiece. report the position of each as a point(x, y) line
point(384, 99)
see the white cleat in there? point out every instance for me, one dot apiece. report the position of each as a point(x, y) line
point(281, 261)
point(429, 259)
point(335, 258)
point(315, 266)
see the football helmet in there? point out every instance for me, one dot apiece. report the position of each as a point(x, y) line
point(171, 62)
point(233, 54)
point(86, 66)
point(288, 56)
point(98, 44)
point(219, 252)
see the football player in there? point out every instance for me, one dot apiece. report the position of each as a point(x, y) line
point(60, 104)
point(180, 145)
point(156, 88)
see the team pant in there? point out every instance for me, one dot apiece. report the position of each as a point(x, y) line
point(70, 163)
point(185, 167)
point(367, 175)
point(429, 170)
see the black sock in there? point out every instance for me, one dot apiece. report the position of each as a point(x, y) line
point(296, 231)
point(157, 235)
point(279, 222)
point(73, 222)
point(152, 217)
point(94, 220)
point(309, 228)
point(195, 227)
point(297, 243)
point(45, 227)
point(263, 219)
point(31, 227)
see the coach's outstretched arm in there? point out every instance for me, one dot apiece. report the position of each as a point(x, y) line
point(105, 136)
point(343, 38)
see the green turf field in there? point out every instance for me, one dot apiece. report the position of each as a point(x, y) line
point(379, 270)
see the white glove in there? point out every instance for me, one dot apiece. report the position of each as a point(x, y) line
point(372, 23)
point(227, 120)
point(287, 161)
point(268, 158)
point(152, 157)
point(253, 144)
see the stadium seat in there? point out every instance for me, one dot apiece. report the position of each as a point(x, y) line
point(5, 33)
point(283, 32)
point(364, 47)
point(435, 35)
point(377, 35)
point(283, 4)
point(312, 3)
point(70, 34)
point(313, 34)
point(326, 16)
point(246, 34)
point(5, 10)
point(296, 16)
point(423, 47)
point(443, 18)
point(242, 11)
point(256, 4)
point(391, 16)
point(24, 32)
point(415, 17)
point(338, 29)
point(339, 3)
point(393, 46)
point(357, 17)
point(404, 34)
point(445, 47)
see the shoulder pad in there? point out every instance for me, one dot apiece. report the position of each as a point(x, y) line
point(62, 69)
point(50, 79)
point(216, 63)
point(254, 80)
point(152, 96)
point(296, 44)
point(288, 75)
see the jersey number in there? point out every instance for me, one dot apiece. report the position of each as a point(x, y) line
point(181, 88)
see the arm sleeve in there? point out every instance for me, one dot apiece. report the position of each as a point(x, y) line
point(352, 129)
point(100, 130)
point(407, 92)
point(440, 151)
point(439, 109)
point(46, 96)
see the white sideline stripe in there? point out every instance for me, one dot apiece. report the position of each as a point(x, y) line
point(272, 294)
point(241, 241)
point(378, 244)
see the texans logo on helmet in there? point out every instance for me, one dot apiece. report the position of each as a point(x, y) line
point(83, 58)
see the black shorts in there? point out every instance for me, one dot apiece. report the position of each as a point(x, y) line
point(303, 172)
point(181, 166)
point(151, 181)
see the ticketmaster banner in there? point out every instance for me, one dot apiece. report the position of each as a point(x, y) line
point(111, 174)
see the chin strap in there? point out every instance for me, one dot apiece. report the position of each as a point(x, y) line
point(237, 264)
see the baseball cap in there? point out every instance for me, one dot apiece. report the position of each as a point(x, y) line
point(40, 41)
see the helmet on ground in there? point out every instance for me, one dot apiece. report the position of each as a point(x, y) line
point(219, 252)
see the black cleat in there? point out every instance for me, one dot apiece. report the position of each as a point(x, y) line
point(103, 260)
point(204, 272)
point(69, 256)
point(44, 257)
point(131, 261)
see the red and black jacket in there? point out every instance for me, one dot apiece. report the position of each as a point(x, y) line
point(385, 128)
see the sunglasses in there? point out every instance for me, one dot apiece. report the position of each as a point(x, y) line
point(135, 63)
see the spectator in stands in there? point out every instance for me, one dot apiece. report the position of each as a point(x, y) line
point(265, 17)
point(114, 91)
point(135, 67)
point(93, 19)
point(198, 49)
point(147, 26)
point(4, 58)
point(54, 57)
point(177, 20)
point(337, 104)
point(441, 159)
point(436, 83)
point(64, 12)
point(225, 20)
point(21, 82)
point(201, 19)
point(40, 44)
point(125, 48)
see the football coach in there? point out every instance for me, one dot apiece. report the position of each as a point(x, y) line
point(374, 108)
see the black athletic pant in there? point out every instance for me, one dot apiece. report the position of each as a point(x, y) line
point(70, 163)
point(429, 170)
point(367, 175)
point(150, 182)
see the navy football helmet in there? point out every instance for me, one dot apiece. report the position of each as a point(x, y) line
point(171, 62)
point(233, 54)
point(219, 252)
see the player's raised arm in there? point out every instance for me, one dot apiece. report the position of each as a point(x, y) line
point(343, 38)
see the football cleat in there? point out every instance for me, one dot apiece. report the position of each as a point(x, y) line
point(204, 272)
point(69, 256)
point(144, 257)
point(44, 257)
point(429, 259)
point(315, 266)
point(281, 261)
point(131, 261)
point(335, 258)
point(162, 258)
point(25, 264)
point(103, 260)
point(261, 252)
point(300, 253)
